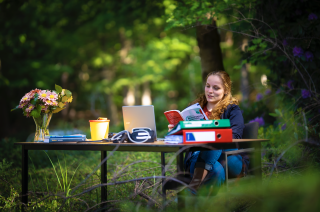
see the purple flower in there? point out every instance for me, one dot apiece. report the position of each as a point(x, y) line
point(289, 84)
point(284, 127)
point(278, 91)
point(259, 96)
point(285, 42)
point(259, 120)
point(297, 51)
point(305, 93)
point(312, 16)
point(309, 56)
point(268, 91)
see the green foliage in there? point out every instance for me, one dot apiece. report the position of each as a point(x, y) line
point(8, 194)
point(188, 13)
point(63, 183)
point(58, 88)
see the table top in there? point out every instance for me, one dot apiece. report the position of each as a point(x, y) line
point(158, 146)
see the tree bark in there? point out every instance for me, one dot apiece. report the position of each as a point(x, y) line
point(210, 52)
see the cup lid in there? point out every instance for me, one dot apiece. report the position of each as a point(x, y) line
point(99, 120)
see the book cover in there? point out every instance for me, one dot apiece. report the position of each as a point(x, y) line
point(173, 116)
point(52, 140)
point(66, 136)
point(221, 123)
point(191, 113)
point(173, 139)
point(196, 136)
point(207, 124)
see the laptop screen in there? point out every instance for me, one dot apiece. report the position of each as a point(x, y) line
point(139, 116)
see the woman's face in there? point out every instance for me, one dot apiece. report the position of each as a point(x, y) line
point(214, 89)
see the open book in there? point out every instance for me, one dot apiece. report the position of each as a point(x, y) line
point(192, 113)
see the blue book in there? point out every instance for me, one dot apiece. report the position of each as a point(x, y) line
point(66, 136)
point(52, 140)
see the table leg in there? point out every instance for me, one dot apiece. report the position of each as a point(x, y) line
point(180, 162)
point(163, 173)
point(104, 196)
point(180, 195)
point(257, 159)
point(24, 175)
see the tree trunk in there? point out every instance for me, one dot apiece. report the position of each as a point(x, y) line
point(244, 84)
point(112, 111)
point(210, 52)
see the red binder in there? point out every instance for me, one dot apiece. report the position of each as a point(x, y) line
point(197, 136)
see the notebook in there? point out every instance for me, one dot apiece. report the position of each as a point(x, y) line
point(139, 116)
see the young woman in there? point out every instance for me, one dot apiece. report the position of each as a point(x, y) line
point(207, 167)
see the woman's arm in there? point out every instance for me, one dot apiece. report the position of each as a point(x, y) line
point(234, 114)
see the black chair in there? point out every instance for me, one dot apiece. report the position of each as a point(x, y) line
point(250, 131)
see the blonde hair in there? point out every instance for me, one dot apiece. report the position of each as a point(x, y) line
point(226, 100)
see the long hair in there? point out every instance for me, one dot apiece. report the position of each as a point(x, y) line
point(226, 100)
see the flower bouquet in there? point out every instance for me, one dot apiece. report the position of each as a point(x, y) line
point(41, 104)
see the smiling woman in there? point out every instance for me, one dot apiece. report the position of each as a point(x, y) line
point(207, 167)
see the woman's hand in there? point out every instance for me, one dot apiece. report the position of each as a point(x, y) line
point(170, 126)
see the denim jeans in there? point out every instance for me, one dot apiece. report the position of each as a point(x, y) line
point(213, 161)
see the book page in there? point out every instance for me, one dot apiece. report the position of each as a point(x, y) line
point(194, 113)
point(173, 116)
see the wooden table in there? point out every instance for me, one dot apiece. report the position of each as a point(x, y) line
point(103, 147)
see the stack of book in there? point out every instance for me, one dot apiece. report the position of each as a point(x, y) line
point(64, 138)
point(207, 131)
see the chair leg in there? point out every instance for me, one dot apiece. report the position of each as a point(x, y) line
point(226, 170)
point(181, 205)
point(163, 173)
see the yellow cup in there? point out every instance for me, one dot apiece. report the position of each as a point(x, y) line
point(99, 129)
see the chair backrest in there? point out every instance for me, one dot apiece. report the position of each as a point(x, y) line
point(250, 130)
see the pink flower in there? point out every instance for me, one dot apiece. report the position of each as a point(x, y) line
point(22, 104)
point(43, 95)
point(31, 93)
point(48, 102)
point(44, 108)
point(52, 96)
point(30, 108)
point(25, 98)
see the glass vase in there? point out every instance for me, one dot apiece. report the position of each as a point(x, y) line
point(42, 123)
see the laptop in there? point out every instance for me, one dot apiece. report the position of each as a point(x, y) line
point(139, 116)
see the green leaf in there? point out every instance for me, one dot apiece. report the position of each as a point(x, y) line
point(17, 107)
point(252, 48)
point(61, 105)
point(34, 101)
point(35, 113)
point(68, 93)
point(256, 41)
point(263, 45)
point(295, 135)
point(58, 88)
point(57, 110)
point(273, 114)
point(237, 66)
point(65, 98)
point(278, 112)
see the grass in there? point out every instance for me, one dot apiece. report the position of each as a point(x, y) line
point(54, 175)
point(51, 184)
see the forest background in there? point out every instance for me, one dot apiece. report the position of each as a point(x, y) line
point(115, 53)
